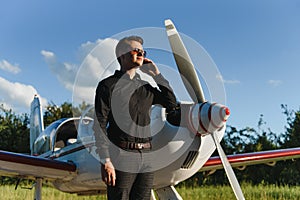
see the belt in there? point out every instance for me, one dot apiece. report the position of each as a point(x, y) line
point(134, 145)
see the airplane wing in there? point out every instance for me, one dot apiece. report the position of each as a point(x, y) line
point(245, 159)
point(31, 167)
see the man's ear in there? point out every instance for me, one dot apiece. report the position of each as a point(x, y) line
point(125, 56)
point(121, 58)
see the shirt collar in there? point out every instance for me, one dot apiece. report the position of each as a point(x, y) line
point(120, 74)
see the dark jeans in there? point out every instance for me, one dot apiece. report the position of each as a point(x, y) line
point(133, 186)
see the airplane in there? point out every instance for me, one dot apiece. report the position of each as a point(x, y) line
point(64, 152)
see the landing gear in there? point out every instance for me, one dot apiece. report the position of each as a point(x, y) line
point(38, 189)
point(168, 192)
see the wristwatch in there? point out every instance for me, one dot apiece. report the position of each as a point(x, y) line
point(105, 160)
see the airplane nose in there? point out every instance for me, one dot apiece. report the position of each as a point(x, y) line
point(205, 118)
point(227, 111)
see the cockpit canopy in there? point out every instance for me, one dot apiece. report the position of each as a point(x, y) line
point(62, 133)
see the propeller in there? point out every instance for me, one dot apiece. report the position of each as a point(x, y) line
point(193, 86)
point(184, 64)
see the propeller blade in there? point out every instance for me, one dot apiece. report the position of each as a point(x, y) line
point(193, 86)
point(184, 64)
point(229, 171)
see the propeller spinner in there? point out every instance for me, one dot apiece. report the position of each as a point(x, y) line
point(205, 121)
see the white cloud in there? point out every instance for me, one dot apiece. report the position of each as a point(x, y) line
point(97, 61)
point(47, 54)
point(275, 83)
point(17, 96)
point(220, 77)
point(87, 47)
point(6, 66)
point(65, 72)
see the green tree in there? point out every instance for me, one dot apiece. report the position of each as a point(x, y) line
point(54, 112)
point(65, 110)
point(289, 172)
point(14, 131)
point(247, 140)
point(292, 135)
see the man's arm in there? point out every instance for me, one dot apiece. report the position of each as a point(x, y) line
point(165, 96)
point(102, 109)
point(167, 99)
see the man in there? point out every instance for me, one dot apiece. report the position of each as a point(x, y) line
point(122, 105)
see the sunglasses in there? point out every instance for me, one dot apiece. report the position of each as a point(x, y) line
point(139, 52)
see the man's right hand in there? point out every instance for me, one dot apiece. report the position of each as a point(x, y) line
point(108, 173)
point(149, 67)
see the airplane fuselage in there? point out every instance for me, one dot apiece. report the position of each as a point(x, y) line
point(176, 155)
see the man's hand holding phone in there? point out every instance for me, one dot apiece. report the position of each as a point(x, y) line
point(149, 67)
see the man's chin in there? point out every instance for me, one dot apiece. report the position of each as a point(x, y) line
point(139, 64)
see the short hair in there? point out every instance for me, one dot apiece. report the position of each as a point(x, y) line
point(124, 42)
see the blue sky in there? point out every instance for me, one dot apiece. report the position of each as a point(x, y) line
point(255, 45)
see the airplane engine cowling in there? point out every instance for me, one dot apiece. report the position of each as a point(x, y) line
point(206, 118)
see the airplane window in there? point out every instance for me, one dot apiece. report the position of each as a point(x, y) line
point(66, 134)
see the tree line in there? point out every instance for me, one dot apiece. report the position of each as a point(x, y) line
point(14, 136)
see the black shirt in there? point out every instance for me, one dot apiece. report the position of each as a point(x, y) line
point(123, 106)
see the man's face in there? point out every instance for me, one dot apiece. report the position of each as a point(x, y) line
point(134, 55)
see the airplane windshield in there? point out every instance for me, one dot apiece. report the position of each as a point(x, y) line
point(85, 127)
point(66, 134)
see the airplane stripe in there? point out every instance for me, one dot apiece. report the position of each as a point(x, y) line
point(73, 150)
point(200, 120)
point(36, 161)
point(252, 158)
point(190, 121)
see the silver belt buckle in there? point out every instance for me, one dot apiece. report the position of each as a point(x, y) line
point(140, 145)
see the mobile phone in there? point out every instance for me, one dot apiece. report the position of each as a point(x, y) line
point(146, 61)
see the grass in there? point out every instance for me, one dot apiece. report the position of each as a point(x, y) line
point(265, 192)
